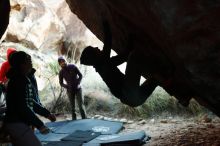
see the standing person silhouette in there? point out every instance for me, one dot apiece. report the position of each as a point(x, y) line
point(71, 74)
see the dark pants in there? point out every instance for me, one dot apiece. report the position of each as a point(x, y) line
point(21, 134)
point(77, 96)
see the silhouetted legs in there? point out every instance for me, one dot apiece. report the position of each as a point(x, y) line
point(80, 102)
point(135, 93)
point(76, 97)
point(125, 87)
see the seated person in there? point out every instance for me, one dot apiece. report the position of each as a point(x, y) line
point(21, 107)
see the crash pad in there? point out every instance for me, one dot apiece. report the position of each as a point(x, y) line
point(50, 137)
point(62, 129)
point(81, 136)
point(124, 139)
point(62, 143)
point(105, 127)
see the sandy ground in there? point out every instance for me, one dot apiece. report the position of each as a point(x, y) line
point(180, 132)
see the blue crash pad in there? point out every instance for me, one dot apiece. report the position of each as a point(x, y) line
point(55, 125)
point(81, 136)
point(134, 138)
point(62, 129)
point(62, 143)
point(50, 137)
point(105, 127)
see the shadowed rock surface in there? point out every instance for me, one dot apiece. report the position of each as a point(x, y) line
point(179, 41)
point(4, 15)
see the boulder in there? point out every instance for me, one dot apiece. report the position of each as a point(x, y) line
point(45, 25)
point(4, 16)
point(178, 39)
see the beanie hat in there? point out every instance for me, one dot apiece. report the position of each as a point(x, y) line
point(61, 58)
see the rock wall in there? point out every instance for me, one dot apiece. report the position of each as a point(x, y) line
point(4, 16)
point(46, 25)
point(178, 39)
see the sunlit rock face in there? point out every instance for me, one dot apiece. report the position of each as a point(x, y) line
point(45, 24)
point(179, 40)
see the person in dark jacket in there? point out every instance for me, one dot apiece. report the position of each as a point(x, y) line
point(3, 78)
point(21, 107)
point(71, 74)
point(33, 80)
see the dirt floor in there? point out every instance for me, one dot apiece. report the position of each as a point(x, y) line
point(180, 132)
point(174, 131)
